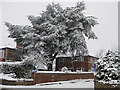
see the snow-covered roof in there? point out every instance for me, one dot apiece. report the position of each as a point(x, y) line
point(68, 55)
point(64, 55)
point(90, 56)
point(4, 47)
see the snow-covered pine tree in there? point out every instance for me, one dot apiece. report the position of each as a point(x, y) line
point(54, 31)
point(108, 67)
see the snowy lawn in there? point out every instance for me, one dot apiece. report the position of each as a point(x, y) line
point(78, 83)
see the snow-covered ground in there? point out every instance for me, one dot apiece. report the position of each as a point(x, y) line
point(78, 83)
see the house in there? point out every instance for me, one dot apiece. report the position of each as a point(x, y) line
point(78, 63)
point(9, 54)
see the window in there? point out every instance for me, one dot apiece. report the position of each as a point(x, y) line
point(1, 53)
point(80, 58)
point(95, 59)
point(80, 69)
point(91, 60)
point(62, 60)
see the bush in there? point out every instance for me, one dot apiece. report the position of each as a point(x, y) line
point(7, 68)
point(64, 69)
point(21, 70)
point(108, 67)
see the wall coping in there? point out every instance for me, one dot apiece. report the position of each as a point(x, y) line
point(53, 72)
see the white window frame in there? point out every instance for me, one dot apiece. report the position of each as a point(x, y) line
point(2, 53)
point(80, 58)
point(80, 69)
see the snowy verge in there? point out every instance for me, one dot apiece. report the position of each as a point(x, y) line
point(78, 83)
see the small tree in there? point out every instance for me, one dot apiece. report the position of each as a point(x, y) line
point(108, 67)
point(21, 70)
point(55, 31)
point(100, 53)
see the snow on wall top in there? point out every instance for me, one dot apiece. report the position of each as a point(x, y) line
point(61, 72)
point(10, 63)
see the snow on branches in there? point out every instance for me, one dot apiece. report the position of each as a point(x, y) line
point(108, 67)
point(55, 31)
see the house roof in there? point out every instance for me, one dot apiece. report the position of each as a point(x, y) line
point(7, 48)
point(65, 55)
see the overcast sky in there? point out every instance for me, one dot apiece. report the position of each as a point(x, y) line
point(106, 12)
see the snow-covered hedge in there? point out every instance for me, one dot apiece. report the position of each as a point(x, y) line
point(108, 67)
point(21, 70)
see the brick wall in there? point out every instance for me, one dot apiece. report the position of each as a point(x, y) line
point(91, 63)
point(71, 64)
point(49, 77)
point(9, 82)
point(86, 64)
point(10, 54)
point(53, 77)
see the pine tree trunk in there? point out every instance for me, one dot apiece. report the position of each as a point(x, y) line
point(50, 65)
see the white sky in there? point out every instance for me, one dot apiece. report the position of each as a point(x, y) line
point(106, 12)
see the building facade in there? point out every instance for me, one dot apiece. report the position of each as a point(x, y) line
point(9, 54)
point(78, 63)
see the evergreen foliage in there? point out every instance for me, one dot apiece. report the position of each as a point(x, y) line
point(21, 70)
point(55, 31)
point(108, 67)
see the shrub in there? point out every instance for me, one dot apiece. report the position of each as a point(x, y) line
point(21, 70)
point(108, 67)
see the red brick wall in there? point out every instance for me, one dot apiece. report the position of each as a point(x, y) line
point(53, 77)
point(86, 64)
point(10, 54)
point(90, 64)
point(8, 82)
point(69, 64)
point(50, 77)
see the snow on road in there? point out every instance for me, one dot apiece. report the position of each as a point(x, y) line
point(78, 83)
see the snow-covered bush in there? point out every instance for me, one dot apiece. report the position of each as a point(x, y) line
point(64, 69)
point(108, 67)
point(7, 68)
point(21, 70)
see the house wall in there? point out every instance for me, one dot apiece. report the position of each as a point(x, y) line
point(10, 54)
point(2, 55)
point(91, 61)
point(86, 64)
